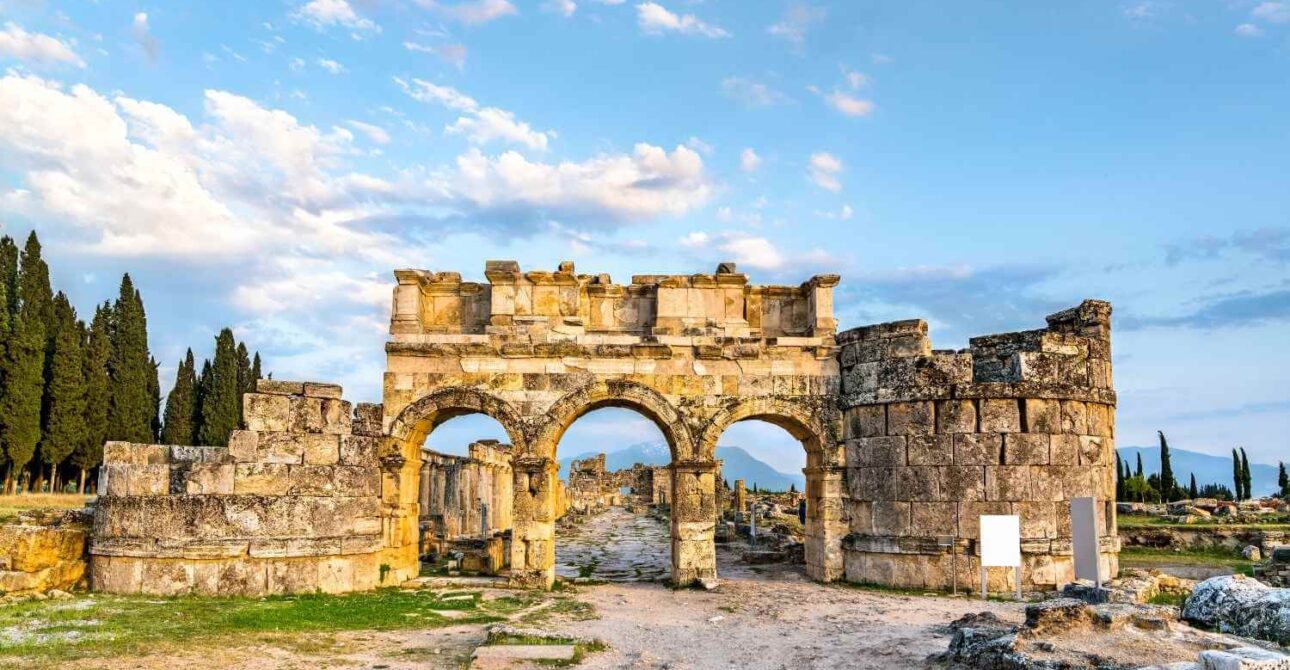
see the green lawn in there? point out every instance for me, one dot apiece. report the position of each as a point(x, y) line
point(1148, 557)
point(98, 626)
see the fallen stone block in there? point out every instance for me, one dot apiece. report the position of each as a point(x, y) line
point(1244, 658)
point(1243, 606)
point(510, 655)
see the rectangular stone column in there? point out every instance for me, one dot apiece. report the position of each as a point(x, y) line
point(825, 526)
point(694, 511)
point(533, 519)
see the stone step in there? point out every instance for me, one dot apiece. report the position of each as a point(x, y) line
point(455, 582)
point(508, 655)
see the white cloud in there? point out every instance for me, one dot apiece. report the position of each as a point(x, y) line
point(751, 93)
point(1271, 12)
point(481, 125)
point(824, 170)
point(655, 19)
point(331, 66)
point(796, 22)
point(35, 47)
point(749, 161)
point(697, 238)
point(139, 28)
point(752, 251)
point(565, 7)
point(1248, 30)
point(843, 214)
point(649, 182)
point(374, 132)
point(849, 104)
point(323, 14)
point(699, 145)
point(855, 80)
point(454, 54)
point(472, 12)
point(296, 64)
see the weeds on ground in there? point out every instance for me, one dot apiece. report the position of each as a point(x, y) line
point(101, 626)
point(1149, 557)
point(11, 505)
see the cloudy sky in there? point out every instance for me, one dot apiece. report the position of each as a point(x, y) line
point(264, 165)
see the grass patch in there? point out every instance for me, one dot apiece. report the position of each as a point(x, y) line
point(1171, 599)
point(11, 505)
point(53, 632)
point(1150, 557)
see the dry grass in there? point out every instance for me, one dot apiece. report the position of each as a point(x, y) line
point(11, 505)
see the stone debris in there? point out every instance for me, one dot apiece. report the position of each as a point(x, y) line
point(1069, 634)
point(1244, 658)
point(1133, 586)
point(1242, 606)
point(1277, 569)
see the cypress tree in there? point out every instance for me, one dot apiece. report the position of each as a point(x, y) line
point(154, 397)
point(1245, 476)
point(245, 384)
point(1238, 480)
point(219, 402)
point(1119, 477)
point(203, 389)
point(65, 427)
point(98, 351)
point(181, 405)
point(256, 373)
point(1167, 483)
point(130, 416)
point(9, 276)
point(1139, 472)
point(1192, 490)
point(1283, 479)
point(24, 367)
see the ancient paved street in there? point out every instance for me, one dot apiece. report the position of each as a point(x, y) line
point(614, 545)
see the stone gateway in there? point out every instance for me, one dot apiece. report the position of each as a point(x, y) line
point(906, 446)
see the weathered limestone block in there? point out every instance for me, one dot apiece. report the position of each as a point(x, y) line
point(267, 479)
point(266, 412)
point(1026, 448)
point(42, 551)
point(1000, 416)
point(955, 416)
point(910, 418)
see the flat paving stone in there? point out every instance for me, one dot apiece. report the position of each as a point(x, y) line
point(507, 655)
point(615, 545)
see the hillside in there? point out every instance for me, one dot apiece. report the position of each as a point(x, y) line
point(736, 464)
point(1209, 469)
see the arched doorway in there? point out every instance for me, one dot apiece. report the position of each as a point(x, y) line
point(615, 474)
point(825, 524)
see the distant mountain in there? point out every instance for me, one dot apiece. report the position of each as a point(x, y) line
point(736, 464)
point(1209, 469)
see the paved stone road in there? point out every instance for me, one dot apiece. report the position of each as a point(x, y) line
point(615, 545)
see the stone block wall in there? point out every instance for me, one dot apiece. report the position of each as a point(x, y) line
point(43, 550)
point(292, 505)
point(1019, 423)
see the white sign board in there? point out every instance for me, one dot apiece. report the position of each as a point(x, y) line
point(1000, 541)
point(1084, 538)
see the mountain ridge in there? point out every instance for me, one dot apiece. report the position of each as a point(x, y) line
point(1208, 468)
point(737, 463)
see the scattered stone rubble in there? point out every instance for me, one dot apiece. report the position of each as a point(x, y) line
point(1242, 606)
point(1069, 634)
point(1276, 571)
point(43, 551)
point(1133, 586)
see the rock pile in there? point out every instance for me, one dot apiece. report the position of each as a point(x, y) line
point(1243, 606)
point(1072, 635)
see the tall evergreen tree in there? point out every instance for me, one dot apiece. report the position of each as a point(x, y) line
point(256, 372)
point(1119, 477)
point(1246, 481)
point(65, 426)
point(98, 351)
point(1139, 473)
point(1238, 478)
point(245, 383)
point(131, 414)
point(219, 402)
point(1167, 482)
point(181, 405)
point(9, 275)
point(154, 397)
point(1283, 479)
point(1192, 490)
point(20, 407)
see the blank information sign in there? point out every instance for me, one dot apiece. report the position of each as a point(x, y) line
point(1000, 541)
point(1084, 539)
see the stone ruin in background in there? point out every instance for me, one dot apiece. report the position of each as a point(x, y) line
point(905, 445)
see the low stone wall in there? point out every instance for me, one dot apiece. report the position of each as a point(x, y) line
point(1204, 536)
point(291, 506)
point(43, 550)
point(455, 489)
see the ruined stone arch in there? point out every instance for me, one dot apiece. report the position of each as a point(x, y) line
point(615, 393)
point(414, 423)
point(810, 424)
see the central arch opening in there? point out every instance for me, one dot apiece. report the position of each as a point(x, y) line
point(614, 468)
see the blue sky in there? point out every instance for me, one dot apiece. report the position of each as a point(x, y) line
point(264, 165)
